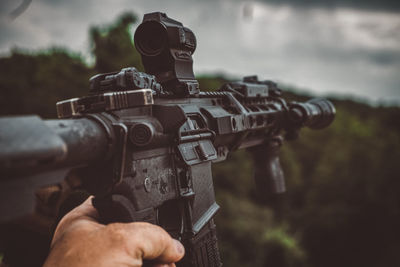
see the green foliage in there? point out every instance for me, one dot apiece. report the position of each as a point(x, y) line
point(343, 202)
point(249, 235)
point(350, 192)
point(113, 47)
point(343, 196)
point(33, 83)
point(211, 83)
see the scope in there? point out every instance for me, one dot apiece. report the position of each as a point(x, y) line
point(151, 38)
point(166, 48)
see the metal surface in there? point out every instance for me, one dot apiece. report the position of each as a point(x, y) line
point(124, 80)
point(104, 102)
point(26, 141)
point(85, 139)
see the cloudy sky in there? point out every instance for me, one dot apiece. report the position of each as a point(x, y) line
point(327, 47)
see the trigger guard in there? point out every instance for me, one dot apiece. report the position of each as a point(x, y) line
point(114, 208)
point(118, 208)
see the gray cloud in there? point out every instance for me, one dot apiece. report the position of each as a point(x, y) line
point(371, 5)
point(328, 51)
point(384, 57)
point(375, 5)
point(6, 6)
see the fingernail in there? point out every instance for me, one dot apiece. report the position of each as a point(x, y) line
point(179, 247)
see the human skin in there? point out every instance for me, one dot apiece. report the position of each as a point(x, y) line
point(81, 241)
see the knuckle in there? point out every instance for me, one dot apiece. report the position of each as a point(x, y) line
point(164, 237)
point(116, 232)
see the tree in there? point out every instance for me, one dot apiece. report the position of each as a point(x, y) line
point(112, 45)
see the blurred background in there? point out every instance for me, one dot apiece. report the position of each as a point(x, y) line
point(342, 207)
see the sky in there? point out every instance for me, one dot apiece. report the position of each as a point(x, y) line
point(345, 48)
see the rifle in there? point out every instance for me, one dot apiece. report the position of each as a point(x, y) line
point(143, 143)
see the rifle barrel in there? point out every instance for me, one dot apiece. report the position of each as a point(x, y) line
point(29, 144)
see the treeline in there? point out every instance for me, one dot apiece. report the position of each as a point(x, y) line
point(342, 207)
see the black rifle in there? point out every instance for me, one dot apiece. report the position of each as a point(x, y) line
point(143, 143)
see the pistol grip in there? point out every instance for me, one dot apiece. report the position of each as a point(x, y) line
point(268, 174)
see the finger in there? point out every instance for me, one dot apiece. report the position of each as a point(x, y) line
point(85, 210)
point(154, 242)
point(84, 213)
point(159, 245)
point(165, 265)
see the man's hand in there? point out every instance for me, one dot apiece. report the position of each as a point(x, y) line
point(80, 240)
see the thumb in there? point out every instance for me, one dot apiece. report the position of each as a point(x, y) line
point(151, 242)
